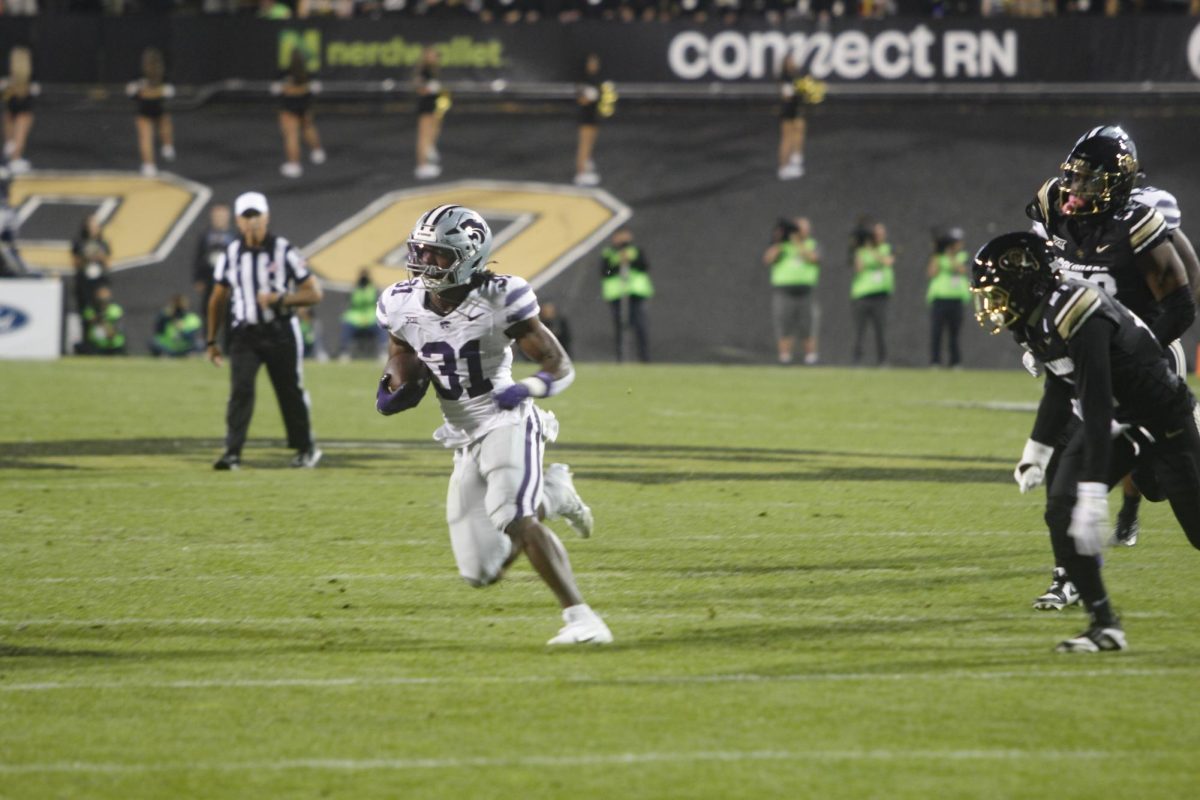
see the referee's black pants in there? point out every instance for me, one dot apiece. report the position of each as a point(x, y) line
point(280, 347)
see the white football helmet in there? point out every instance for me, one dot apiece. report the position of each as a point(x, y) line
point(447, 246)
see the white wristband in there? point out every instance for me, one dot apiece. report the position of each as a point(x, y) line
point(1036, 453)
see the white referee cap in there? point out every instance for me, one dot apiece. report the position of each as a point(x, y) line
point(250, 201)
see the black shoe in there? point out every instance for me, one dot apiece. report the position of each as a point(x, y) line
point(307, 458)
point(1125, 532)
point(228, 461)
point(1096, 639)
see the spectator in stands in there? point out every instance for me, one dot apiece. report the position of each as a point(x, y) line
point(587, 97)
point(557, 324)
point(873, 283)
point(91, 255)
point(19, 91)
point(296, 90)
point(103, 325)
point(794, 260)
point(212, 244)
point(358, 321)
point(626, 287)
point(177, 330)
point(151, 92)
point(949, 288)
point(432, 104)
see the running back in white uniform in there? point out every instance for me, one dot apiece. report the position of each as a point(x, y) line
point(498, 453)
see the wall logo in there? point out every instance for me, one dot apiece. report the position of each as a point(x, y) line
point(12, 319)
point(332, 53)
point(538, 229)
point(307, 41)
point(143, 218)
point(849, 55)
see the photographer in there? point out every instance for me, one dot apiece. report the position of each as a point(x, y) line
point(177, 330)
point(948, 289)
point(874, 281)
point(794, 261)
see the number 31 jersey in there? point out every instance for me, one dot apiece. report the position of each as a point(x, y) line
point(1102, 251)
point(467, 350)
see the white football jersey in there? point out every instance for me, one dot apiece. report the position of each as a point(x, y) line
point(466, 350)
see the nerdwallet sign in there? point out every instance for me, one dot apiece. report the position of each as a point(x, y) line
point(846, 55)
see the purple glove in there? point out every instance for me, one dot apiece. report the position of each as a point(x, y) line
point(512, 396)
point(408, 395)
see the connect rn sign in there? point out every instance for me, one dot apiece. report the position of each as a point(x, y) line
point(846, 55)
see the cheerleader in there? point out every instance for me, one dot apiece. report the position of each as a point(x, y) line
point(594, 98)
point(432, 104)
point(296, 91)
point(18, 90)
point(798, 92)
point(151, 93)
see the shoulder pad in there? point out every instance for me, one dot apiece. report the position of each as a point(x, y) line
point(1146, 226)
point(1041, 208)
point(1071, 305)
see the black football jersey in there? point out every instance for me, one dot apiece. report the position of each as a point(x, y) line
point(1103, 251)
point(1145, 391)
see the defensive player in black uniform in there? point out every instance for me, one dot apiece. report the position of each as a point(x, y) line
point(1100, 355)
point(1099, 233)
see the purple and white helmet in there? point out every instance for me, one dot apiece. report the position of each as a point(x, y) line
point(458, 236)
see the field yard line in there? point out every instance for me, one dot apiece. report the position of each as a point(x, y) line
point(576, 760)
point(643, 680)
point(699, 615)
point(448, 574)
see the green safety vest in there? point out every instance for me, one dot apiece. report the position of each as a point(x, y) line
point(361, 313)
point(635, 283)
point(791, 268)
point(876, 277)
point(178, 335)
point(96, 334)
point(948, 284)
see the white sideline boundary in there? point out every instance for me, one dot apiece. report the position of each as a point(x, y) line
point(575, 760)
point(586, 680)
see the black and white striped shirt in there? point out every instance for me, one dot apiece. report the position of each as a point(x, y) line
point(275, 266)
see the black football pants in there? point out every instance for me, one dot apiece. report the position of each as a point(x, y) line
point(1173, 463)
point(279, 346)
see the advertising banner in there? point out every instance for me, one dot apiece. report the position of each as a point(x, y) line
point(30, 318)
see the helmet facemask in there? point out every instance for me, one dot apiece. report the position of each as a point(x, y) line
point(437, 265)
point(993, 307)
point(1009, 278)
point(1091, 189)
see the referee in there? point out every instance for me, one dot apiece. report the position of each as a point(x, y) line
point(260, 278)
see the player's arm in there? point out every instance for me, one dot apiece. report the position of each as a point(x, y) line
point(1089, 349)
point(1187, 255)
point(405, 379)
point(555, 371)
point(1168, 281)
point(1053, 414)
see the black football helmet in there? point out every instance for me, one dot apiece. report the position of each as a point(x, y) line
point(1100, 172)
point(1009, 277)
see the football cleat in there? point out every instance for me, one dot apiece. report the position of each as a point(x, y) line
point(568, 504)
point(307, 458)
point(1125, 532)
point(1096, 639)
point(227, 462)
point(1059, 595)
point(583, 626)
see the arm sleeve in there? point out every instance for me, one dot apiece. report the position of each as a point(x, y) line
point(1178, 314)
point(1089, 349)
point(221, 269)
point(296, 265)
point(1054, 411)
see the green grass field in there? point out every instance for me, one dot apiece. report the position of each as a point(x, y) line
point(819, 581)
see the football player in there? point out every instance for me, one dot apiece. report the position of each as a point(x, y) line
point(1103, 360)
point(1127, 241)
point(451, 324)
